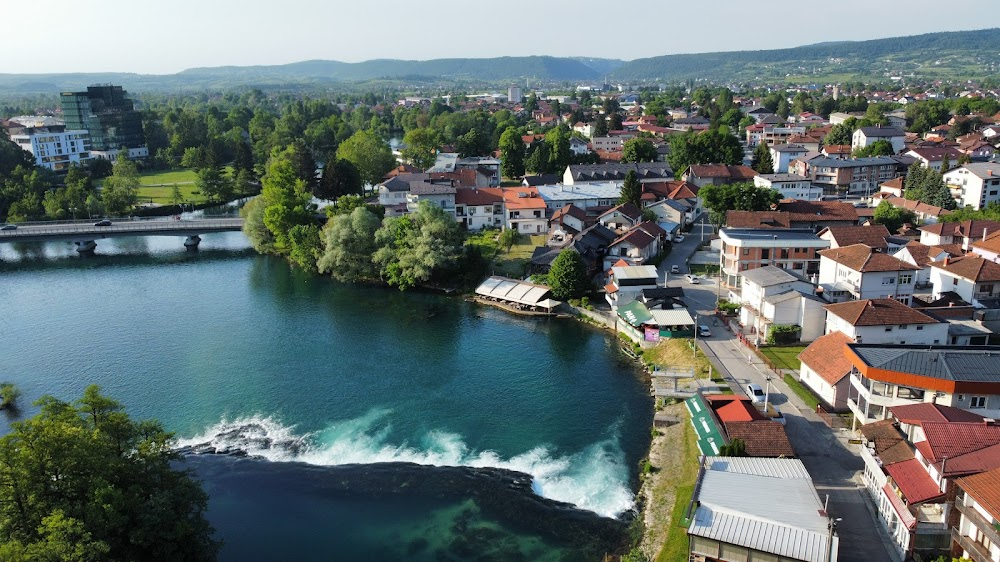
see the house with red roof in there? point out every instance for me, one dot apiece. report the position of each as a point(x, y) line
point(859, 272)
point(977, 535)
point(478, 208)
point(525, 210)
point(912, 462)
point(736, 417)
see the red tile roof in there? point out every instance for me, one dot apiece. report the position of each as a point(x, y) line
point(530, 200)
point(873, 236)
point(971, 267)
point(826, 356)
point(905, 517)
point(878, 312)
point(478, 197)
point(763, 438)
point(973, 228)
point(890, 443)
point(862, 258)
point(636, 237)
point(721, 171)
point(913, 481)
point(918, 414)
point(965, 448)
point(822, 210)
point(758, 219)
point(985, 489)
point(737, 411)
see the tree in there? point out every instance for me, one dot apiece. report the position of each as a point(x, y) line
point(511, 153)
point(532, 103)
point(880, 147)
point(421, 146)
point(83, 481)
point(762, 162)
point(369, 154)
point(631, 189)
point(568, 276)
point(557, 141)
point(9, 393)
point(303, 162)
point(121, 189)
point(600, 127)
point(735, 448)
point(638, 150)
point(415, 246)
point(349, 244)
point(508, 237)
point(538, 160)
point(892, 217)
point(340, 177)
point(742, 196)
point(214, 184)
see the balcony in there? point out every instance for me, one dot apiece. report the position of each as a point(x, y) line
point(976, 551)
point(882, 395)
point(978, 520)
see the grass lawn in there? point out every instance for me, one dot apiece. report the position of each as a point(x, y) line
point(164, 195)
point(677, 354)
point(704, 270)
point(514, 264)
point(784, 357)
point(680, 478)
point(802, 392)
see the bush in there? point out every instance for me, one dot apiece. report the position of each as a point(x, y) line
point(781, 334)
point(728, 307)
point(9, 394)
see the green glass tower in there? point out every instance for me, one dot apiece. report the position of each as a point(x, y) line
point(107, 113)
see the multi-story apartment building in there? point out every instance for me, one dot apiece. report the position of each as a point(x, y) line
point(773, 296)
point(783, 154)
point(790, 186)
point(975, 184)
point(109, 117)
point(974, 279)
point(858, 272)
point(479, 208)
point(56, 151)
point(865, 136)
point(746, 249)
point(855, 176)
point(977, 536)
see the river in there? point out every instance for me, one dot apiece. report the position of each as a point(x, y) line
point(348, 400)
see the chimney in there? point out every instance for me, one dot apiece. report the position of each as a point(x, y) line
point(946, 262)
point(984, 233)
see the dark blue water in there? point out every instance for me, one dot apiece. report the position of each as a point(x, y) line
point(238, 352)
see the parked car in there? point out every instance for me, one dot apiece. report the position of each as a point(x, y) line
point(755, 392)
point(692, 279)
point(675, 269)
point(679, 238)
point(8, 227)
point(704, 331)
point(104, 222)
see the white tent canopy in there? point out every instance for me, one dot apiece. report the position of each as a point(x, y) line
point(512, 290)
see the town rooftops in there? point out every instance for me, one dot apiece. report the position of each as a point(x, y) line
point(852, 162)
point(789, 523)
point(636, 237)
point(593, 190)
point(966, 229)
point(569, 211)
point(882, 132)
point(890, 444)
point(985, 489)
point(825, 355)
point(924, 254)
point(769, 275)
point(521, 198)
point(873, 236)
point(773, 238)
point(971, 267)
point(984, 170)
point(762, 438)
point(963, 448)
point(927, 412)
point(912, 479)
point(424, 188)
point(627, 209)
point(623, 274)
point(793, 148)
point(478, 197)
point(864, 259)
point(990, 244)
point(541, 179)
point(878, 312)
point(821, 210)
point(774, 178)
point(937, 153)
point(721, 171)
point(618, 171)
point(974, 366)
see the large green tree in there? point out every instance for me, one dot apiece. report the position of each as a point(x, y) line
point(511, 153)
point(85, 482)
point(568, 276)
point(215, 184)
point(715, 146)
point(421, 146)
point(892, 217)
point(413, 247)
point(638, 150)
point(283, 204)
point(762, 162)
point(121, 189)
point(741, 196)
point(369, 154)
point(631, 189)
point(340, 177)
point(349, 244)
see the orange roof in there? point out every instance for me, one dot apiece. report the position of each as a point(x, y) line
point(522, 198)
point(985, 489)
point(912, 479)
point(862, 258)
point(826, 356)
point(878, 312)
point(738, 410)
point(971, 267)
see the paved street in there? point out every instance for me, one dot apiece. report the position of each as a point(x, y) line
point(826, 453)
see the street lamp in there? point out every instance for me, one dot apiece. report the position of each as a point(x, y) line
point(767, 392)
point(694, 350)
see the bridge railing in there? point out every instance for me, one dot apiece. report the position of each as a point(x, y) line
point(194, 225)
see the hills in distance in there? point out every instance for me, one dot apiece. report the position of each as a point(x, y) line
point(946, 55)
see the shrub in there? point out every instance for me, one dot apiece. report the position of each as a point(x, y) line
point(782, 334)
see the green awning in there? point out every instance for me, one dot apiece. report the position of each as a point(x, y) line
point(635, 313)
point(710, 439)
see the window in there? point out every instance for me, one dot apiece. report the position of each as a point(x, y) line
point(920, 328)
point(978, 402)
point(902, 326)
point(906, 279)
point(888, 328)
point(888, 280)
point(954, 281)
point(746, 251)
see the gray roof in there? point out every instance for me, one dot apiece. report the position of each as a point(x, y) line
point(955, 363)
point(424, 188)
point(882, 132)
point(798, 234)
point(853, 162)
point(783, 177)
point(787, 523)
point(769, 275)
point(594, 190)
point(617, 171)
point(982, 169)
point(789, 148)
point(792, 295)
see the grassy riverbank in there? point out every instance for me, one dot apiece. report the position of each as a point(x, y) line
point(667, 489)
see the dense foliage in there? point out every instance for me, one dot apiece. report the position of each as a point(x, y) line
point(893, 217)
point(927, 185)
point(84, 482)
point(714, 146)
point(568, 276)
point(740, 196)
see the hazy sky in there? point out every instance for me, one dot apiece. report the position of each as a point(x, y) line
point(165, 37)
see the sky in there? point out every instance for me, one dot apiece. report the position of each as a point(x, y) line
point(147, 37)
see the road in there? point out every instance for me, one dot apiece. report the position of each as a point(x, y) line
point(88, 230)
point(833, 463)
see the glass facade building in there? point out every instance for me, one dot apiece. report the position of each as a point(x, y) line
point(107, 113)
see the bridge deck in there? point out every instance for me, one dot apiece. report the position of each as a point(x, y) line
point(87, 231)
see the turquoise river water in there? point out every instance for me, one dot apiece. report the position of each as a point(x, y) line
point(358, 423)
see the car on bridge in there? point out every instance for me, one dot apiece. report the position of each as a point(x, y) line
point(8, 227)
point(104, 222)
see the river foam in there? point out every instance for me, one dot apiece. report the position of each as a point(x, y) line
point(593, 479)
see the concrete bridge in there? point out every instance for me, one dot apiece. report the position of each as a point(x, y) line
point(86, 233)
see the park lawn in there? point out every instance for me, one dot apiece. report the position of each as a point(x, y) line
point(784, 357)
point(164, 194)
point(514, 264)
point(171, 177)
point(675, 353)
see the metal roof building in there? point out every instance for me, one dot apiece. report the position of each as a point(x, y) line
point(754, 508)
point(519, 292)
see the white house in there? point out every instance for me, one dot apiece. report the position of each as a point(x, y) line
point(56, 151)
point(825, 369)
point(626, 283)
point(960, 233)
point(791, 186)
point(922, 255)
point(865, 136)
point(479, 208)
point(934, 156)
point(858, 272)
point(885, 321)
point(783, 154)
point(975, 185)
point(975, 279)
point(773, 296)
point(636, 246)
point(581, 195)
point(578, 147)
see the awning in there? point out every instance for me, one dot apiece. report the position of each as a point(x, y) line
point(905, 517)
point(672, 317)
point(635, 313)
point(710, 439)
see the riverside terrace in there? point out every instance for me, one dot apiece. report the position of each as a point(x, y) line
point(86, 233)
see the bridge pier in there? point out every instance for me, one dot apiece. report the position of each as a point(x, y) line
point(191, 243)
point(85, 246)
